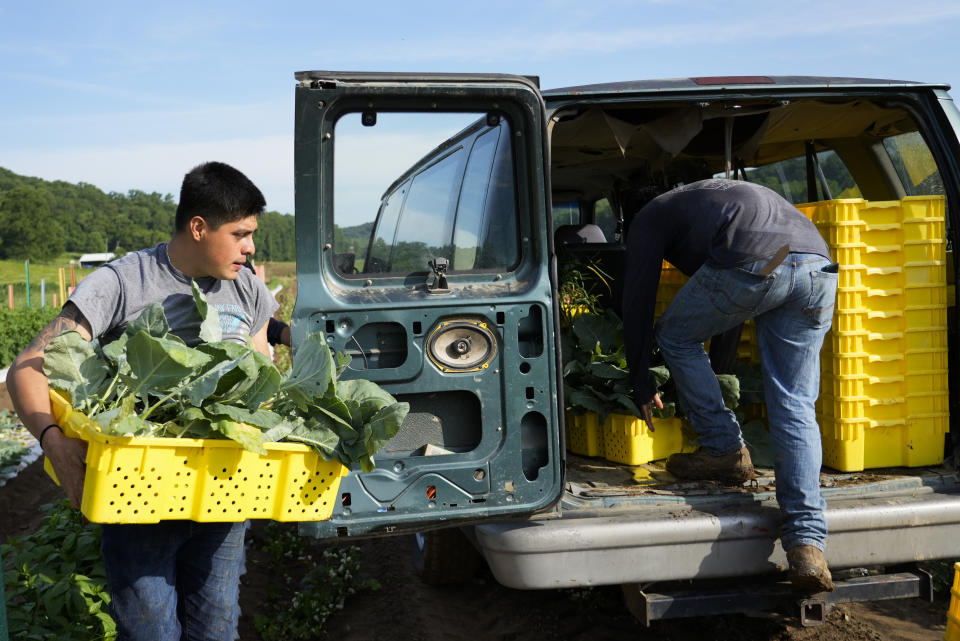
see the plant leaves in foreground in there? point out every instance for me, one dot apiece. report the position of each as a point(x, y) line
point(159, 386)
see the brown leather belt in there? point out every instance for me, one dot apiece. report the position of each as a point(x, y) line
point(778, 258)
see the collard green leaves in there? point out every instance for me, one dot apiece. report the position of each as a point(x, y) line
point(596, 377)
point(73, 366)
point(150, 383)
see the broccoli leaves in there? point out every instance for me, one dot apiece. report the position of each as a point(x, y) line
point(150, 383)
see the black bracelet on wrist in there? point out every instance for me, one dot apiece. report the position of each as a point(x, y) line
point(43, 433)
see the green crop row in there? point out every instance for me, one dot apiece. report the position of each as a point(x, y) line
point(18, 327)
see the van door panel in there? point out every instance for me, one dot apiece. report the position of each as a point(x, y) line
point(477, 360)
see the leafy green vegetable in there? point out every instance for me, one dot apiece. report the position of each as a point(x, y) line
point(596, 377)
point(595, 374)
point(150, 383)
point(55, 581)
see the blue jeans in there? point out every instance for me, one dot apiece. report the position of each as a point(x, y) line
point(174, 580)
point(792, 308)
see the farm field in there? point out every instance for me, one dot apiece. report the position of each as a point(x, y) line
point(481, 609)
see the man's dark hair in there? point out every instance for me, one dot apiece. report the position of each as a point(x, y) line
point(219, 194)
point(637, 197)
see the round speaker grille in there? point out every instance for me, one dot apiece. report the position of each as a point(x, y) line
point(461, 345)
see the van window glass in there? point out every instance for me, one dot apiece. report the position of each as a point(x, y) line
point(565, 213)
point(604, 217)
point(472, 200)
point(914, 164)
point(378, 257)
point(425, 227)
point(375, 175)
point(500, 244)
point(789, 177)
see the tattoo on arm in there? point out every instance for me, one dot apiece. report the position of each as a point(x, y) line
point(69, 318)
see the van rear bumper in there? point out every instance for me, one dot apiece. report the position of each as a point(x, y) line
point(671, 542)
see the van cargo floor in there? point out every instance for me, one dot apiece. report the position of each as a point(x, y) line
point(596, 478)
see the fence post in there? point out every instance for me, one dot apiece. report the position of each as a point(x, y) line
point(63, 289)
point(26, 267)
point(43, 293)
point(10, 290)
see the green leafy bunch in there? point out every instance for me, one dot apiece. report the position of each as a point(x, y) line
point(596, 377)
point(578, 282)
point(595, 374)
point(149, 382)
point(55, 582)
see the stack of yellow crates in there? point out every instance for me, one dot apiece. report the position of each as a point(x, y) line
point(884, 394)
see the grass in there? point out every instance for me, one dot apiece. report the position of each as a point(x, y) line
point(13, 272)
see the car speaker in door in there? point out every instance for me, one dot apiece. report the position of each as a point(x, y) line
point(461, 345)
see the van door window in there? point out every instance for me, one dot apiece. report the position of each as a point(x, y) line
point(500, 235)
point(426, 220)
point(914, 164)
point(409, 188)
point(789, 177)
point(472, 200)
point(604, 217)
point(566, 213)
point(378, 257)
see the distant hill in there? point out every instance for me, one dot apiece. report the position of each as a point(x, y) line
point(82, 218)
point(353, 239)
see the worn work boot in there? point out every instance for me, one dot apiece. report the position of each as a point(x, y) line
point(734, 467)
point(808, 569)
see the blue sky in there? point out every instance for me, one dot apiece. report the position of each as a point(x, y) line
point(127, 95)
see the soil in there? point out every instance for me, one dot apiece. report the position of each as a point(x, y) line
point(405, 608)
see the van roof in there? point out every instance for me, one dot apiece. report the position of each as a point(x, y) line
point(733, 82)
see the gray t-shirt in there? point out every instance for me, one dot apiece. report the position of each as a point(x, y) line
point(118, 292)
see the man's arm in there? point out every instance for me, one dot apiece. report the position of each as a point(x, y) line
point(260, 342)
point(30, 392)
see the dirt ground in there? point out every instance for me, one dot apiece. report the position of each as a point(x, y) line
point(480, 610)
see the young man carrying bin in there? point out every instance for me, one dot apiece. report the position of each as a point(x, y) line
point(749, 254)
point(175, 579)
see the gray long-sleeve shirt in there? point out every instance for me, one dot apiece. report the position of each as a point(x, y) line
point(722, 223)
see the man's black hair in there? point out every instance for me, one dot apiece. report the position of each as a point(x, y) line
point(636, 198)
point(219, 194)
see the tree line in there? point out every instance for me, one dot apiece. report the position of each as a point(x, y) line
point(41, 219)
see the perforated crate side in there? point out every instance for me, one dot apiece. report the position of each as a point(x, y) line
point(627, 440)
point(147, 480)
point(584, 435)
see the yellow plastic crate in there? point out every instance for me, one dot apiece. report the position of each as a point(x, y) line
point(626, 439)
point(748, 350)
point(953, 613)
point(583, 434)
point(147, 480)
point(852, 445)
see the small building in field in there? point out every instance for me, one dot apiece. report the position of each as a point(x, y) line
point(95, 260)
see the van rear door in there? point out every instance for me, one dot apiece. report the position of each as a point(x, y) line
point(422, 253)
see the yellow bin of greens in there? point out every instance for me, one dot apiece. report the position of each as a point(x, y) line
point(147, 480)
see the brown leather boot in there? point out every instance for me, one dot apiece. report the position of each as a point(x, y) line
point(808, 569)
point(733, 467)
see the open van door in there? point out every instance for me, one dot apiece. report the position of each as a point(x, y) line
point(423, 253)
